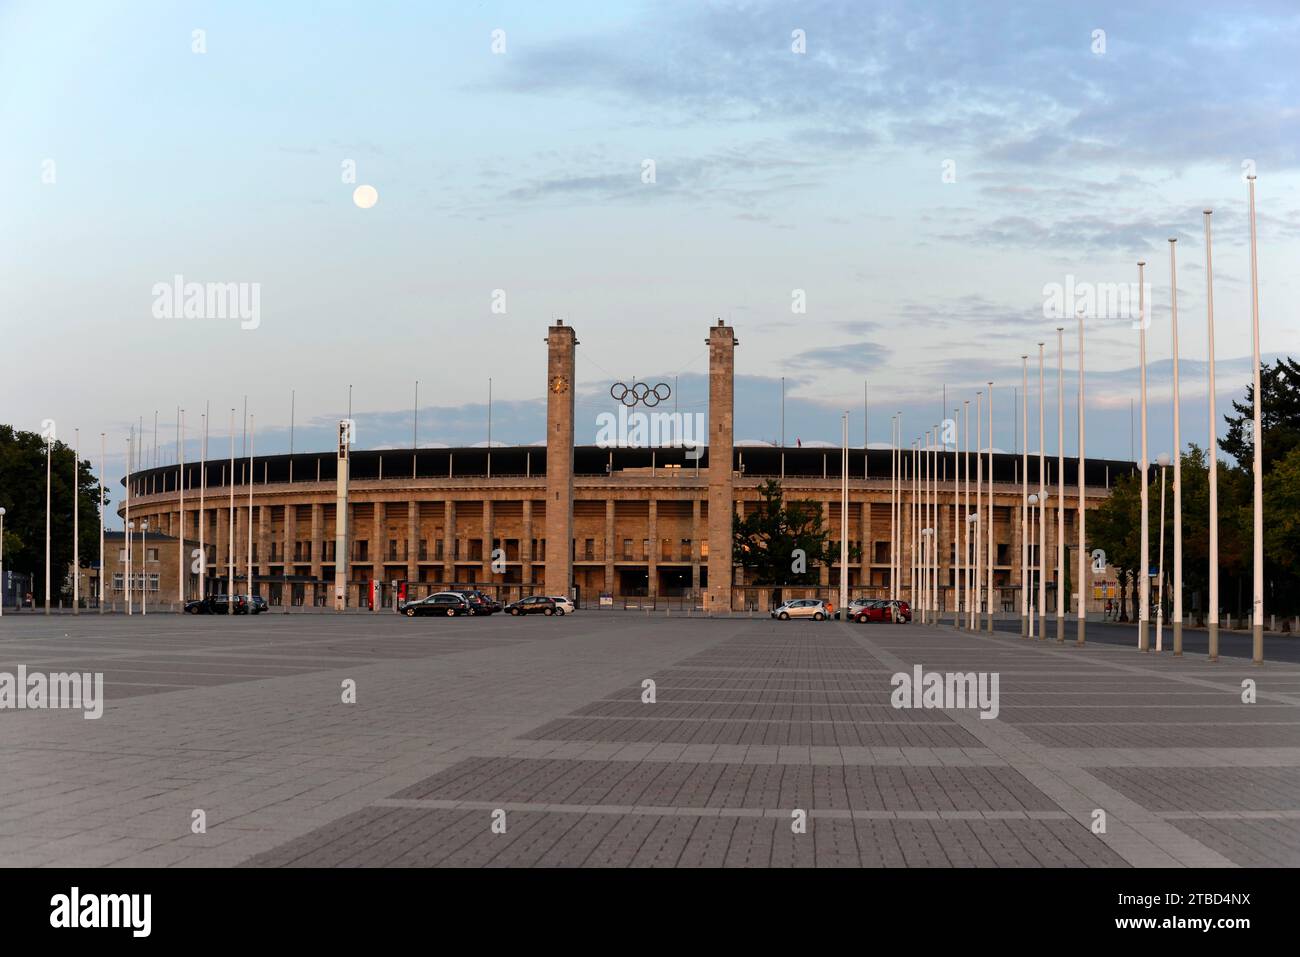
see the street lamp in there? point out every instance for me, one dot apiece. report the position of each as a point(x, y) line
point(1163, 461)
point(965, 570)
point(1031, 503)
point(972, 611)
point(144, 568)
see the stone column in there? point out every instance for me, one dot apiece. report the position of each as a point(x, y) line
point(722, 365)
point(488, 535)
point(526, 544)
point(609, 545)
point(263, 540)
point(449, 542)
point(559, 459)
point(652, 558)
point(412, 540)
point(290, 534)
point(317, 543)
point(864, 567)
point(695, 546)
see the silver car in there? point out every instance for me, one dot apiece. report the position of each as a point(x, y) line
point(813, 608)
point(563, 605)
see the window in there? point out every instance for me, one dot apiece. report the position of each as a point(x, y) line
point(627, 549)
point(589, 551)
point(424, 550)
point(363, 550)
point(686, 549)
point(153, 581)
point(437, 549)
point(151, 555)
point(121, 554)
point(117, 581)
point(704, 549)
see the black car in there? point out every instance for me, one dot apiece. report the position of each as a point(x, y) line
point(532, 605)
point(219, 605)
point(257, 604)
point(481, 604)
point(444, 603)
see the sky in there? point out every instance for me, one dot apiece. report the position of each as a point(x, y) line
point(871, 193)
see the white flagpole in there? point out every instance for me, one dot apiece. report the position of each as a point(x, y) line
point(251, 423)
point(1144, 589)
point(180, 536)
point(1177, 618)
point(1257, 458)
point(1061, 597)
point(76, 522)
point(101, 523)
point(1212, 612)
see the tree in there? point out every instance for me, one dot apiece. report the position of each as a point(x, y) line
point(1279, 416)
point(22, 493)
point(1115, 527)
point(780, 542)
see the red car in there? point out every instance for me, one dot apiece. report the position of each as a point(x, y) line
point(884, 609)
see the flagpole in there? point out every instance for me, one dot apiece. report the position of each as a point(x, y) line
point(231, 545)
point(1144, 589)
point(1177, 618)
point(76, 522)
point(180, 537)
point(1212, 612)
point(1024, 496)
point(101, 523)
point(1061, 596)
point(1257, 458)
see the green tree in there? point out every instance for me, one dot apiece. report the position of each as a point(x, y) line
point(22, 494)
point(782, 542)
point(1279, 418)
point(1115, 527)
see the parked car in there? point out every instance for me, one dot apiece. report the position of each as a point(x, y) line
point(216, 605)
point(563, 605)
point(480, 604)
point(897, 611)
point(813, 608)
point(855, 606)
point(445, 603)
point(256, 603)
point(532, 605)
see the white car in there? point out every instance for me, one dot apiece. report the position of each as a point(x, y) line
point(813, 608)
point(563, 605)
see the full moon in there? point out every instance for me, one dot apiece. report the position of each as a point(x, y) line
point(365, 196)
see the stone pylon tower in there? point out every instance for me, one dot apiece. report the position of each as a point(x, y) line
point(722, 369)
point(560, 341)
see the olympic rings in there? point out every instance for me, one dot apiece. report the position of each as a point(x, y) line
point(641, 393)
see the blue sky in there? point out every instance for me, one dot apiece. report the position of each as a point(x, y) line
point(522, 171)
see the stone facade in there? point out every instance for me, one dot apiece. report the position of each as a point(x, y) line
point(650, 524)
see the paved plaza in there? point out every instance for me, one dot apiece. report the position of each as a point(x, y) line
point(539, 726)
